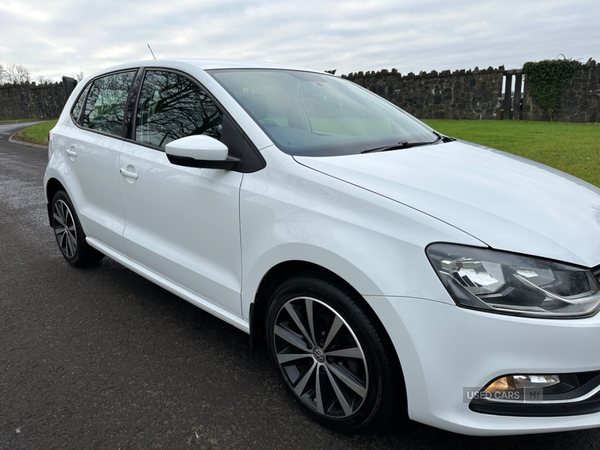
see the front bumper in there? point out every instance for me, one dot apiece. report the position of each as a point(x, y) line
point(446, 351)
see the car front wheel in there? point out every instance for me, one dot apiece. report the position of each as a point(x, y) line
point(331, 355)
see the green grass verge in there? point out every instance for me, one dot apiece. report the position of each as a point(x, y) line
point(571, 147)
point(38, 133)
point(17, 120)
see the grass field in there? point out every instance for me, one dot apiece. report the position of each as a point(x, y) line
point(571, 147)
point(38, 133)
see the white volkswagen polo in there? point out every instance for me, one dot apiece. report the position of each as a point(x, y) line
point(386, 267)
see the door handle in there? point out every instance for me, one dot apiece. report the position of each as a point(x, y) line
point(72, 153)
point(128, 174)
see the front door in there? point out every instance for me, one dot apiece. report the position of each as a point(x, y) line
point(182, 223)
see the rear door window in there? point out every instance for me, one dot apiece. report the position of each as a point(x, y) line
point(105, 105)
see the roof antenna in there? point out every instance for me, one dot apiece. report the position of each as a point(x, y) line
point(151, 51)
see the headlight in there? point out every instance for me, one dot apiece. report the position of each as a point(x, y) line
point(508, 283)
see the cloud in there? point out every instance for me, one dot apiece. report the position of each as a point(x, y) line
point(64, 37)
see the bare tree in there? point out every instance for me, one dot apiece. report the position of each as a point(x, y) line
point(172, 107)
point(16, 74)
point(79, 76)
point(1, 74)
point(41, 79)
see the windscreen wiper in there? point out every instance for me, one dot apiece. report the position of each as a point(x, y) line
point(443, 138)
point(400, 145)
point(405, 144)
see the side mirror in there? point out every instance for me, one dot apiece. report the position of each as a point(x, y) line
point(200, 151)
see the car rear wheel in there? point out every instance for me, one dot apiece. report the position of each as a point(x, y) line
point(331, 355)
point(69, 234)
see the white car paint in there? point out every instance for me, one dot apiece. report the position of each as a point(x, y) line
point(183, 223)
point(508, 202)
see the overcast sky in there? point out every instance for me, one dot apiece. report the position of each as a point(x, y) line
point(62, 37)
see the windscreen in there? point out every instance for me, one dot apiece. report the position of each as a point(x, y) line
point(313, 114)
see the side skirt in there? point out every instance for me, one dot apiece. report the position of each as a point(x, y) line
point(189, 296)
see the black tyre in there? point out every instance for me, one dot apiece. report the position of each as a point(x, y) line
point(332, 356)
point(69, 234)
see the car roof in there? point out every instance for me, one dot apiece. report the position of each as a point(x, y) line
point(207, 64)
point(202, 64)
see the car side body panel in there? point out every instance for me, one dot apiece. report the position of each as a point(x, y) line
point(95, 170)
point(88, 175)
point(184, 223)
point(373, 243)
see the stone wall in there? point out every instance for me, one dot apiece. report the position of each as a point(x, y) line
point(462, 94)
point(580, 103)
point(477, 94)
point(24, 101)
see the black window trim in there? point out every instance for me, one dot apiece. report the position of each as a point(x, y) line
point(84, 93)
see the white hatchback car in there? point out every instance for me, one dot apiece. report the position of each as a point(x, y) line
point(386, 266)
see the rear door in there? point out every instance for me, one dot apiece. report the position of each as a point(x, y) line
point(93, 156)
point(182, 223)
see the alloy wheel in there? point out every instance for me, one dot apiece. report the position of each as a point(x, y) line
point(64, 229)
point(321, 358)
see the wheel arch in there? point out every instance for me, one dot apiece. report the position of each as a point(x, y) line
point(285, 270)
point(52, 187)
point(289, 269)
